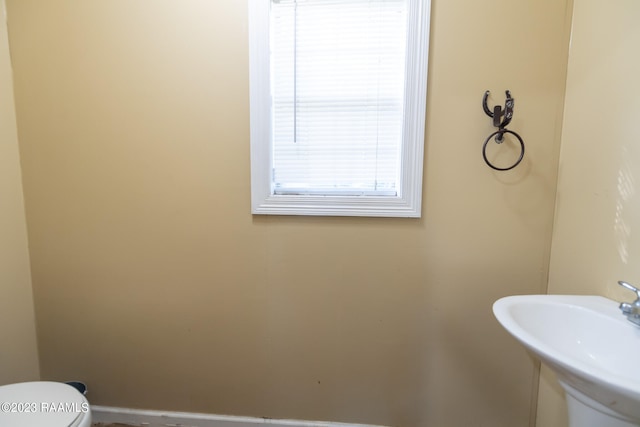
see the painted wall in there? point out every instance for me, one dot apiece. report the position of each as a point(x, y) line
point(154, 283)
point(595, 237)
point(18, 352)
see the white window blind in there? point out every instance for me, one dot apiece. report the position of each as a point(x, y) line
point(338, 101)
point(337, 90)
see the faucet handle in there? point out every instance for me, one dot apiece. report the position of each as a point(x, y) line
point(630, 287)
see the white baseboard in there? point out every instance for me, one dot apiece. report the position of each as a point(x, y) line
point(149, 418)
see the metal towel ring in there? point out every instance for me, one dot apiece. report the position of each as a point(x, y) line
point(501, 118)
point(499, 134)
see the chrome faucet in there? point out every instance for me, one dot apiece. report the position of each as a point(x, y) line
point(631, 309)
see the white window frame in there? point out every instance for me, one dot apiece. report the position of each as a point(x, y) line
point(408, 203)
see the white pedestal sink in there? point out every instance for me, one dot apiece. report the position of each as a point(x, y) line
point(590, 345)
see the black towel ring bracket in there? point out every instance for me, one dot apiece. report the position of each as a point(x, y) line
point(501, 118)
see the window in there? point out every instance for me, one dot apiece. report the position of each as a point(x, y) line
point(338, 94)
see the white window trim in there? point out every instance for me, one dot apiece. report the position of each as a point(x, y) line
point(409, 202)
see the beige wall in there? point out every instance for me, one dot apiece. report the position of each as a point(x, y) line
point(595, 237)
point(18, 351)
point(155, 285)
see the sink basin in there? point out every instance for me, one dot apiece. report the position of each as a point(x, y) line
point(589, 344)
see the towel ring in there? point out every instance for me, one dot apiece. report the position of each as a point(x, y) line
point(500, 134)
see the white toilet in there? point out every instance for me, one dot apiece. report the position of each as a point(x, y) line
point(43, 404)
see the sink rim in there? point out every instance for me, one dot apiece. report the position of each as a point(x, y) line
point(558, 360)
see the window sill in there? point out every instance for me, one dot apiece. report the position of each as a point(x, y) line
point(366, 206)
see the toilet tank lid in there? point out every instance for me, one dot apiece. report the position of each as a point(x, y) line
point(40, 404)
